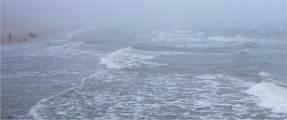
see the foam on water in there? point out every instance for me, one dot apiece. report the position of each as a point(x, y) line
point(62, 50)
point(270, 96)
point(264, 74)
point(127, 58)
point(35, 114)
point(64, 47)
point(270, 93)
point(124, 95)
point(200, 39)
point(217, 38)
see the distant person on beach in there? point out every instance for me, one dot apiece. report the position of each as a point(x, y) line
point(32, 35)
point(10, 37)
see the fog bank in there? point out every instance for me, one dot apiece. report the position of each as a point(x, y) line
point(52, 13)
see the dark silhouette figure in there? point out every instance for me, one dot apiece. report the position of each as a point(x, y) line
point(32, 35)
point(10, 37)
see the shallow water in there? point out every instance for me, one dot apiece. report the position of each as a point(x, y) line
point(149, 74)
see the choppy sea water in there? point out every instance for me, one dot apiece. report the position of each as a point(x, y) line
point(163, 74)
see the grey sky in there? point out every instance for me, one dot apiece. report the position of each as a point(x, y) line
point(143, 12)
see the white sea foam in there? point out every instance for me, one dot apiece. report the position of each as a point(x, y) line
point(200, 39)
point(217, 38)
point(238, 39)
point(209, 96)
point(206, 76)
point(264, 74)
point(127, 58)
point(61, 50)
point(199, 34)
point(192, 39)
point(168, 53)
point(270, 96)
point(24, 74)
point(34, 111)
point(130, 57)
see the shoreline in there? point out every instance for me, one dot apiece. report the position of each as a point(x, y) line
point(22, 35)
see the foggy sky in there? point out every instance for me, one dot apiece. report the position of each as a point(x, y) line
point(142, 12)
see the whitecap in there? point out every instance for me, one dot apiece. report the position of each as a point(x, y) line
point(218, 38)
point(264, 74)
point(127, 58)
point(270, 96)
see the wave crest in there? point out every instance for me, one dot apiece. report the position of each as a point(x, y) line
point(270, 96)
point(127, 58)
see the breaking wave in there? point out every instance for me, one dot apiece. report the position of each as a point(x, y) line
point(128, 58)
point(192, 39)
point(269, 93)
point(270, 96)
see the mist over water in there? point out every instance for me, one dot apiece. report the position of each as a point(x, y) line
point(139, 60)
point(140, 13)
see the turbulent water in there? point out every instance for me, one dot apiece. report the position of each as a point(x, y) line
point(163, 74)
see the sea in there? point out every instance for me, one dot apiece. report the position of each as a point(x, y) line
point(123, 73)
